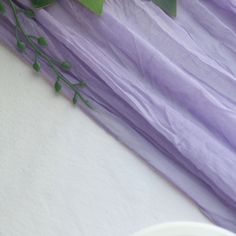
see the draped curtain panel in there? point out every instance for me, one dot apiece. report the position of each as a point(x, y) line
point(164, 87)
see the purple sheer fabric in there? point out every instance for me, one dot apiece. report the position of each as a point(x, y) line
point(164, 87)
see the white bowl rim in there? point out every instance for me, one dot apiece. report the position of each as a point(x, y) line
point(185, 225)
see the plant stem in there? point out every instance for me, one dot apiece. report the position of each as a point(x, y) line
point(42, 54)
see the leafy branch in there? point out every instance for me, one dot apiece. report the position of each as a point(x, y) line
point(36, 43)
point(96, 6)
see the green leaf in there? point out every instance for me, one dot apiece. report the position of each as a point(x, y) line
point(75, 99)
point(82, 84)
point(29, 13)
point(65, 65)
point(21, 46)
point(57, 86)
point(95, 6)
point(168, 6)
point(42, 41)
point(2, 8)
point(42, 3)
point(36, 66)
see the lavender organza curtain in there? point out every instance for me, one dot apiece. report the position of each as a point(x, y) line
point(164, 87)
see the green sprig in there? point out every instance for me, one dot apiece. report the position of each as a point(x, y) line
point(36, 43)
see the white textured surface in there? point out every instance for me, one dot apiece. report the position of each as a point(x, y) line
point(61, 174)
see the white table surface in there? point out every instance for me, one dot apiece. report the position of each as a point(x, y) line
point(61, 174)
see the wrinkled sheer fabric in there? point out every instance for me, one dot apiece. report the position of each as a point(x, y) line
point(164, 87)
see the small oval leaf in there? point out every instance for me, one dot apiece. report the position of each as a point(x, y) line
point(82, 84)
point(29, 13)
point(57, 86)
point(21, 46)
point(65, 65)
point(42, 41)
point(75, 99)
point(37, 66)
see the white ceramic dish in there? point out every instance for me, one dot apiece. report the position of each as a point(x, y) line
point(184, 229)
